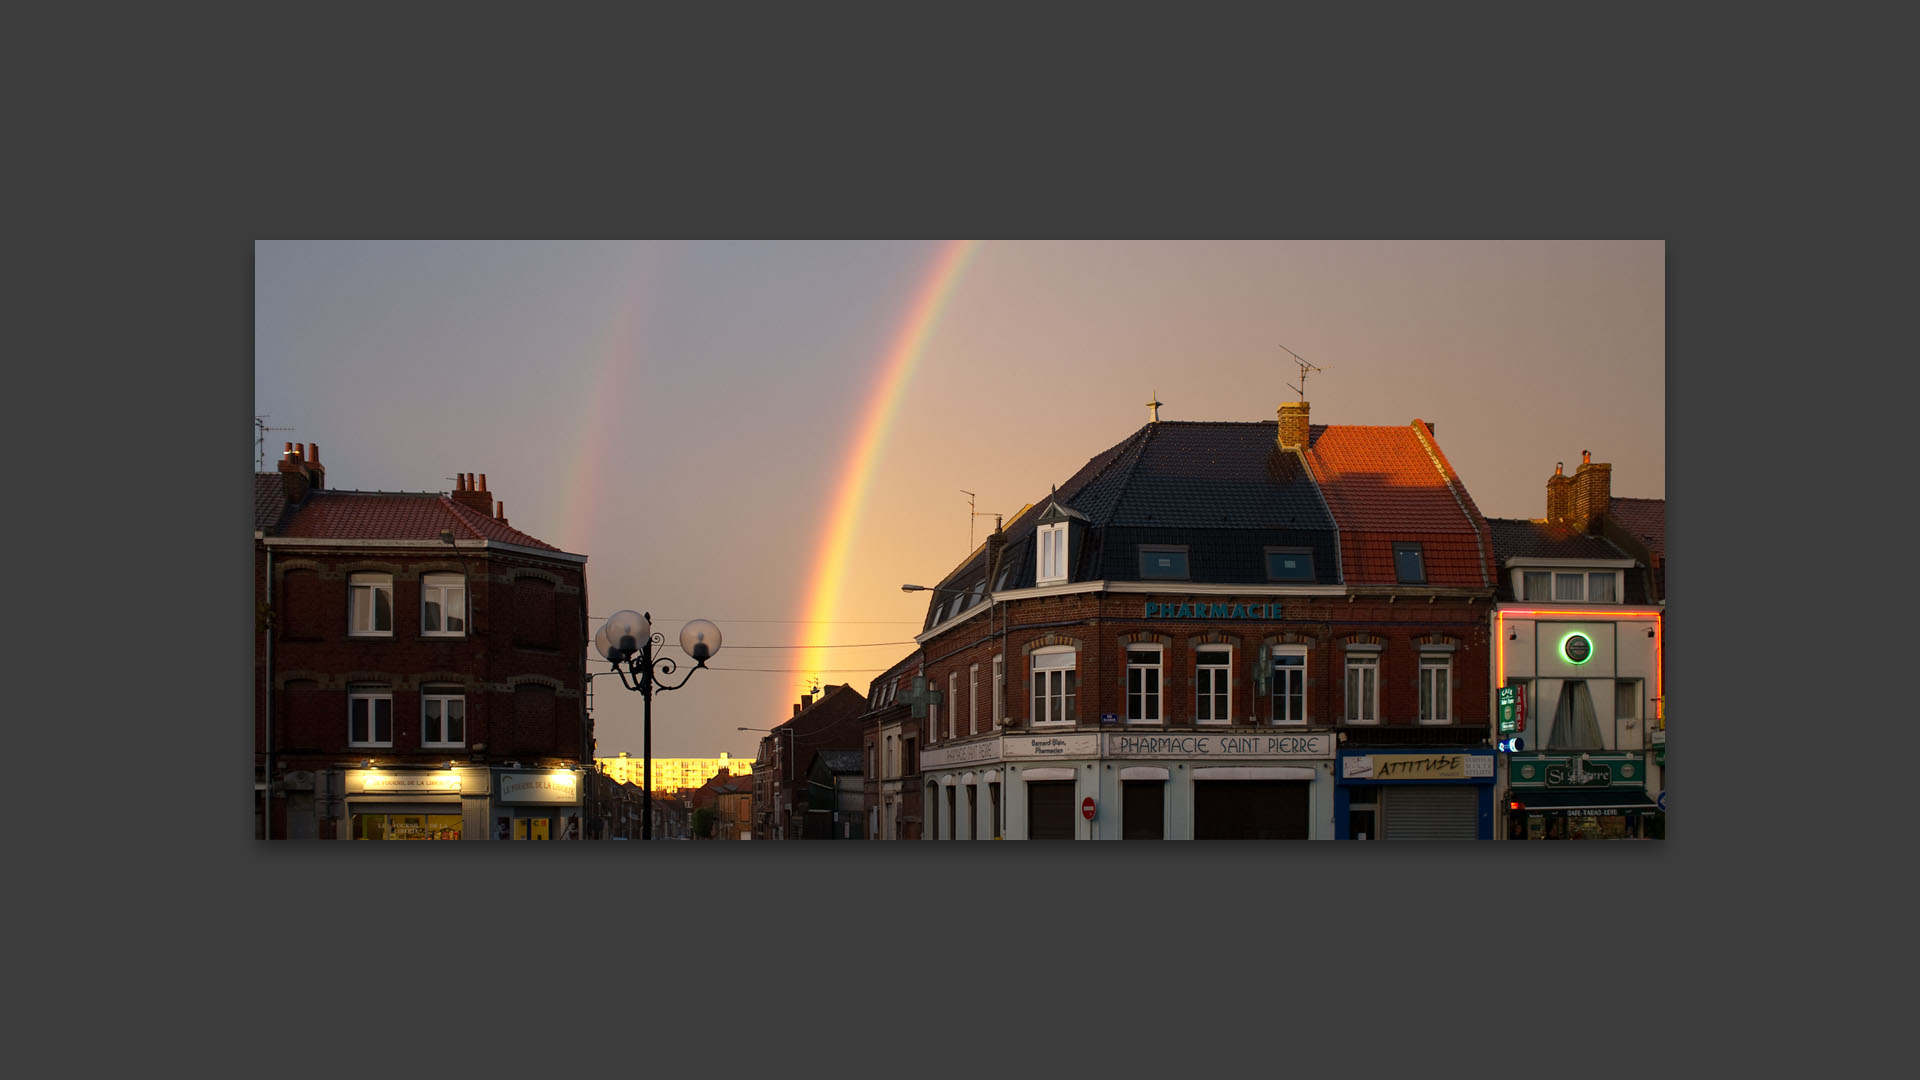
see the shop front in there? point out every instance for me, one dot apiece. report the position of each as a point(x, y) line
point(415, 804)
point(1415, 795)
point(537, 805)
point(1590, 796)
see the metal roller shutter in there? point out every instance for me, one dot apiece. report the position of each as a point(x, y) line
point(1050, 810)
point(1437, 812)
point(1143, 810)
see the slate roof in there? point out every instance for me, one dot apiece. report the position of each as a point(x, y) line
point(269, 501)
point(1645, 519)
point(842, 762)
point(330, 514)
point(1390, 484)
point(1537, 539)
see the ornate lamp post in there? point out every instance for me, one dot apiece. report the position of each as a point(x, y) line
point(627, 640)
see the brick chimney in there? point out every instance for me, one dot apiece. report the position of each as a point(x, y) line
point(301, 473)
point(1559, 495)
point(996, 545)
point(1592, 492)
point(473, 494)
point(1293, 425)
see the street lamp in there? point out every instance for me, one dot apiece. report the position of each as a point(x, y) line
point(627, 638)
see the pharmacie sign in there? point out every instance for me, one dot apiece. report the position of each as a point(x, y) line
point(1219, 746)
point(1232, 609)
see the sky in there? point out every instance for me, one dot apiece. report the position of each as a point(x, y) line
point(775, 436)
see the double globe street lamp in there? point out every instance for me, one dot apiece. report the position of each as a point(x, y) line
point(627, 639)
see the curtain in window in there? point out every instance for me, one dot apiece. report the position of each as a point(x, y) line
point(1575, 727)
point(1539, 585)
point(1600, 588)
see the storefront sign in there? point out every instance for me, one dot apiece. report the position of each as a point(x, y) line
point(1592, 770)
point(940, 757)
point(1231, 610)
point(1219, 746)
point(1027, 747)
point(1417, 767)
point(404, 783)
point(553, 787)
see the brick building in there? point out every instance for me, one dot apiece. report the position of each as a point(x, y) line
point(1221, 630)
point(891, 766)
point(1580, 622)
point(418, 665)
point(828, 722)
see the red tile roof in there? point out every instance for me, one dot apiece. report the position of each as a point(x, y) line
point(1388, 484)
point(382, 515)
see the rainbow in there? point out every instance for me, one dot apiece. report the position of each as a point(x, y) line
point(871, 430)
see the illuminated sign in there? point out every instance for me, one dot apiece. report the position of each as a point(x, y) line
point(549, 787)
point(402, 783)
point(1577, 647)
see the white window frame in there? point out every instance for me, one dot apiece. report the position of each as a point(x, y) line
point(1436, 687)
point(1158, 694)
point(1613, 586)
point(443, 588)
point(973, 699)
point(372, 695)
point(1050, 551)
point(953, 705)
point(1577, 579)
point(1054, 668)
point(1213, 680)
point(1526, 587)
point(999, 689)
point(1362, 668)
point(444, 697)
point(1279, 713)
point(362, 591)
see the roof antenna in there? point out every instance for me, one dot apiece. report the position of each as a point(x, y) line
point(1304, 368)
point(971, 514)
point(260, 440)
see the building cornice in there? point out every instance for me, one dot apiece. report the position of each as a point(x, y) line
point(294, 543)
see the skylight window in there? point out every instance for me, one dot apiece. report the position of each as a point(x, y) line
point(1163, 562)
point(1409, 564)
point(1288, 564)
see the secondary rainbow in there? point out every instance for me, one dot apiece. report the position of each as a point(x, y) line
point(872, 428)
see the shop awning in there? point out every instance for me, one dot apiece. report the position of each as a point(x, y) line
point(1585, 800)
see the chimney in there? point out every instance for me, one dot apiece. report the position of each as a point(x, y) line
point(996, 545)
point(1592, 492)
point(316, 471)
point(1559, 495)
point(1293, 425)
point(473, 495)
point(295, 478)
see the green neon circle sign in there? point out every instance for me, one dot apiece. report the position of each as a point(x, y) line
point(1577, 648)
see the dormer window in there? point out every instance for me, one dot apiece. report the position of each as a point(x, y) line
point(1570, 586)
point(1409, 564)
point(1051, 564)
point(1289, 564)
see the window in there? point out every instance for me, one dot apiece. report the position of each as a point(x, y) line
point(1363, 687)
point(1289, 684)
point(993, 795)
point(443, 605)
point(999, 690)
point(1626, 710)
point(1143, 685)
point(933, 711)
point(1051, 565)
point(369, 716)
point(1409, 566)
point(1569, 586)
point(909, 757)
point(1055, 681)
point(1436, 681)
point(1575, 727)
point(953, 705)
point(1539, 585)
point(371, 606)
point(973, 699)
point(443, 718)
point(1211, 700)
point(1600, 588)
point(1163, 562)
point(1289, 564)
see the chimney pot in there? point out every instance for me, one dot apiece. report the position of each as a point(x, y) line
point(311, 455)
point(483, 481)
point(289, 451)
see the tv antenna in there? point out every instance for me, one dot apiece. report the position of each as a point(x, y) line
point(260, 440)
point(972, 513)
point(1304, 368)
